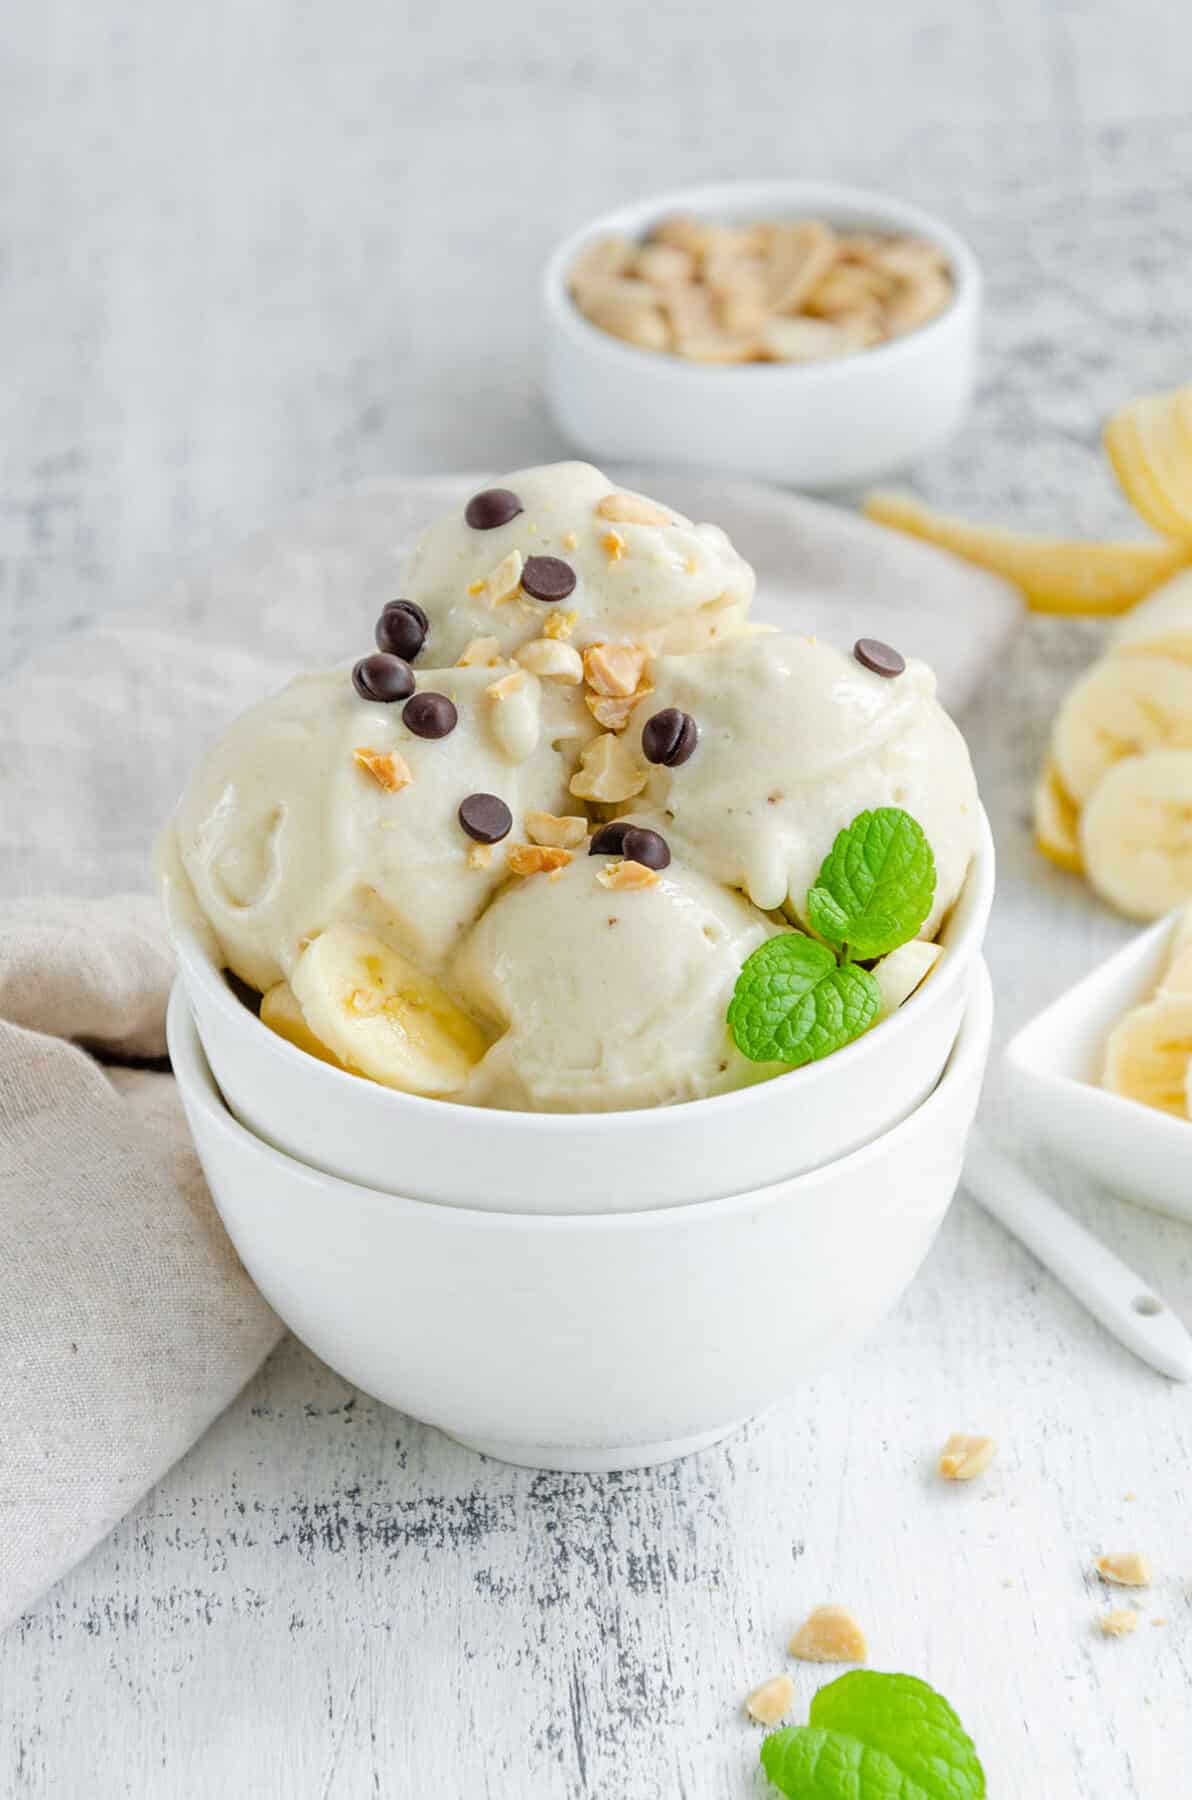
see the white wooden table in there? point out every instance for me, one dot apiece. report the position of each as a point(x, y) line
point(250, 251)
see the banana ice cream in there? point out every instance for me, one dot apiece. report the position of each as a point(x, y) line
point(521, 853)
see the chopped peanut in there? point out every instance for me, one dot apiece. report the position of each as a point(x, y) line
point(631, 509)
point(1125, 1568)
point(962, 1457)
point(480, 856)
point(552, 660)
point(503, 582)
point(1120, 1621)
point(614, 669)
point(507, 685)
point(535, 859)
point(560, 833)
point(387, 769)
point(485, 650)
point(561, 624)
point(613, 711)
point(772, 1700)
point(830, 1634)
point(607, 771)
point(625, 876)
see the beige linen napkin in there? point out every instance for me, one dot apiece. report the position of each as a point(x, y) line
point(126, 1323)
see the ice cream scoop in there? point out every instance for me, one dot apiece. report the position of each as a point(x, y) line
point(561, 540)
point(608, 996)
point(320, 805)
point(761, 751)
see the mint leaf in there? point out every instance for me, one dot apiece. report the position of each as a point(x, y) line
point(793, 1003)
point(876, 885)
point(875, 1737)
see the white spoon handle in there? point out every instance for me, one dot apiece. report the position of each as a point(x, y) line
point(1111, 1291)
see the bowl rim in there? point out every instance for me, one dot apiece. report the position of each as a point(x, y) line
point(199, 967)
point(731, 199)
point(968, 1054)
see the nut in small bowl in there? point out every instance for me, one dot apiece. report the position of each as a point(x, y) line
point(794, 331)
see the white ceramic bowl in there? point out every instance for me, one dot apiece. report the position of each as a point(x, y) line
point(812, 425)
point(1055, 1063)
point(587, 1162)
point(588, 1343)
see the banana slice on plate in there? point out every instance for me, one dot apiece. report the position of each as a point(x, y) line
point(1058, 575)
point(1177, 976)
point(382, 1016)
point(1150, 447)
point(1057, 820)
point(903, 970)
point(1136, 834)
point(1148, 1053)
point(1123, 706)
point(1160, 625)
point(282, 1013)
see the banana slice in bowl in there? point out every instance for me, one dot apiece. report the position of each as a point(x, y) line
point(382, 1017)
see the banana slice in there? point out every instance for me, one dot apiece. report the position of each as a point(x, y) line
point(1057, 820)
point(1150, 447)
point(1056, 575)
point(282, 1013)
point(905, 969)
point(1177, 976)
point(1123, 706)
point(1160, 625)
point(1148, 1052)
point(382, 1016)
point(1136, 834)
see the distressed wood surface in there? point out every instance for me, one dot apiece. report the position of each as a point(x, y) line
point(250, 252)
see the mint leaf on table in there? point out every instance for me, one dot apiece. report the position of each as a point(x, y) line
point(875, 1737)
point(876, 885)
point(793, 1002)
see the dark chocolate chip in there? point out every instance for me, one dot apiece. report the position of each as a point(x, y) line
point(402, 629)
point(609, 840)
point(493, 507)
point(383, 677)
point(548, 578)
point(871, 653)
point(669, 737)
point(486, 818)
point(430, 715)
point(641, 845)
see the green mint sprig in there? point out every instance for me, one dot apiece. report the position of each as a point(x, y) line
point(876, 885)
point(798, 999)
point(875, 1737)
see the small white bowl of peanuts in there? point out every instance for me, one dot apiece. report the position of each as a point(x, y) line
point(793, 331)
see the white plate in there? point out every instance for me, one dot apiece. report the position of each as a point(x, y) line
point(1055, 1065)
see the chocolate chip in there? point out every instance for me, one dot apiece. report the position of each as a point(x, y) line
point(430, 715)
point(383, 677)
point(486, 818)
point(640, 845)
point(609, 840)
point(495, 506)
point(669, 737)
point(402, 629)
point(871, 653)
point(548, 578)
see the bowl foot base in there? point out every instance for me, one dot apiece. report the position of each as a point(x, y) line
point(595, 1459)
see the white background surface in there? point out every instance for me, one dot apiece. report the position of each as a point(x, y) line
point(251, 251)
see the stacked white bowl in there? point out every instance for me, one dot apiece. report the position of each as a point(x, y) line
point(588, 1291)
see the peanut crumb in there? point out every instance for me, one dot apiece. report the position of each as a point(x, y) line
point(560, 624)
point(387, 769)
point(536, 859)
point(614, 669)
point(962, 1456)
point(560, 833)
point(631, 509)
point(570, 541)
point(1158, 1621)
point(772, 1700)
point(625, 876)
point(830, 1634)
point(1120, 1621)
point(613, 545)
point(480, 856)
point(1125, 1568)
point(504, 581)
point(485, 650)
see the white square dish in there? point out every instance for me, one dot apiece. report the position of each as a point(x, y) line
point(1055, 1066)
